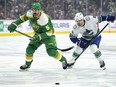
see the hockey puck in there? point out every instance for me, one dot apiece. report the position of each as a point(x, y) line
point(57, 83)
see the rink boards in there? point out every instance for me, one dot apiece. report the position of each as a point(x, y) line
point(60, 26)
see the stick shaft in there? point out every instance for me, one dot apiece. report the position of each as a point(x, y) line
point(23, 33)
point(67, 49)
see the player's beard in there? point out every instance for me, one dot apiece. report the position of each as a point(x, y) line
point(35, 14)
point(81, 24)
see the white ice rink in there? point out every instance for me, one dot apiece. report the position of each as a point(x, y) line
point(46, 71)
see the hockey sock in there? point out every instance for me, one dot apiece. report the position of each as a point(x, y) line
point(29, 62)
point(97, 54)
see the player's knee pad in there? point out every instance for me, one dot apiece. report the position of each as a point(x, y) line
point(30, 50)
point(77, 51)
point(52, 52)
point(93, 48)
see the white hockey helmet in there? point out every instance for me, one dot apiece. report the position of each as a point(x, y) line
point(78, 16)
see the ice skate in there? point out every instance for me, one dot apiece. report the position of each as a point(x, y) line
point(64, 64)
point(70, 63)
point(102, 65)
point(26, 66)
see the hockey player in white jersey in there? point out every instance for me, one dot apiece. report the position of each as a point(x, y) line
point(88, 27)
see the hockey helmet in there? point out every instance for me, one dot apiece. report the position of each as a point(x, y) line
point(36, 6)
point(78, 16)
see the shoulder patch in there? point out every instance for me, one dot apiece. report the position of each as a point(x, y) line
point(87, 18)
point(43, 20)
point(74, 27)
point(29, 14)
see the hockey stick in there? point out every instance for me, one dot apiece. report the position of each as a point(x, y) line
point(89, 44)
point(67, 49)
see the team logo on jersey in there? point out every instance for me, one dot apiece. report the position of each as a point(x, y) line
point(74, 27)
point(88, 32)
point(87, 18)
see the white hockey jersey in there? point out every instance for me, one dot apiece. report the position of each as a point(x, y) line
point(89, 30)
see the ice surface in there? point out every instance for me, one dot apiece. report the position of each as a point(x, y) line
point(46, 71)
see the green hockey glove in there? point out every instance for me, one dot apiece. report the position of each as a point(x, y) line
point(12, 27)
point(36, 38)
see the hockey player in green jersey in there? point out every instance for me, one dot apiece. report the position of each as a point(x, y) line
point(44, 34)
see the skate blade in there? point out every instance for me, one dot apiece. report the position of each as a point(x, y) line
point(103, 68)
point(25, 70)
point(69, 67)
point(70, 64)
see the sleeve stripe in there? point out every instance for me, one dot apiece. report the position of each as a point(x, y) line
point(51, 32)
point(14, 24)
point(39, 36)
point(22, 18)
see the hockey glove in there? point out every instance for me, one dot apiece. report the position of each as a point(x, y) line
point(108, 18)
point(12, 27)
point(73, 38)
point(36, 38)
point(83, 43)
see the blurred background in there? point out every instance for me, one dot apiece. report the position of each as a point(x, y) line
point(58, 9)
